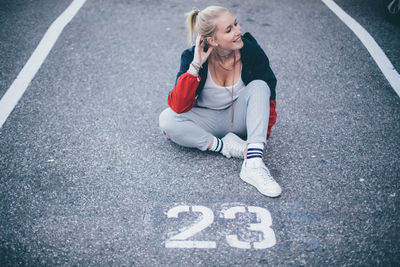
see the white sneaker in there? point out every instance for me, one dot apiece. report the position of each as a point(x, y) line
point(260, 177)
point(234, 146)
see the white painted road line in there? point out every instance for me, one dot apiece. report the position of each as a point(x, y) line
point(18, 87)
point(373, 48)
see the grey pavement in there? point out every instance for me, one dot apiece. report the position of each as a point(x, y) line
point(23, 24)
point(88, 179)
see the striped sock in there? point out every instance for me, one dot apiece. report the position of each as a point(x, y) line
point(217, 144)
point(255, 152)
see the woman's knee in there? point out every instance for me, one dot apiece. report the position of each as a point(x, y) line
point(259, 88)
point(167, 120)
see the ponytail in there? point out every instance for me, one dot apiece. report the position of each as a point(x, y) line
point(191, 22)
point(203, 21)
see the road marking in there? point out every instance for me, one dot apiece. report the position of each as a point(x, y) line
point(373, 48)
point(179, 240)
point(262, 225)
point(18, 87)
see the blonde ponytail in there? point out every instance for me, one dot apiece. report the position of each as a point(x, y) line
point(203, 21)
point(191, 23)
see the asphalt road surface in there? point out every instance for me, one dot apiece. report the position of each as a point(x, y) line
point(86, 177)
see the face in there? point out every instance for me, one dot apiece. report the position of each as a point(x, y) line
point(228, 33)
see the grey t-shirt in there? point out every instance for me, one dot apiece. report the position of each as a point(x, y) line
point(214, 96)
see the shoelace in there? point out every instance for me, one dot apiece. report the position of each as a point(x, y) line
point(266, 173)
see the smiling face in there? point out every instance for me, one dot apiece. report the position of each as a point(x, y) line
point(228, 32)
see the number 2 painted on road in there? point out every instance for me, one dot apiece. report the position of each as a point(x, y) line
point(263, 225)
point(179, 240)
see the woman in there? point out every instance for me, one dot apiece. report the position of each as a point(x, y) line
point(224, 89)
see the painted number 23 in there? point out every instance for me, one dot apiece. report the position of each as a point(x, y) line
point(263, 225)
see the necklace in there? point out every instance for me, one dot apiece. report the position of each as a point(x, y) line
point(219, 63)
point(233, 83)
point(219, 60)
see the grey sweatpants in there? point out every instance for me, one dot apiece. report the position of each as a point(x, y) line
point(197, 127)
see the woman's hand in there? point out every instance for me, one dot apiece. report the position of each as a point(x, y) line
point(199, 55)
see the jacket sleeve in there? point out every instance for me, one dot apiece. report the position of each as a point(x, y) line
point(264, 71)
point(261, 67)
point(183, 96)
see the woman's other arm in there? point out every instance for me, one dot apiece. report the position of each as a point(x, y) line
point(265, 72)
point(183, 97)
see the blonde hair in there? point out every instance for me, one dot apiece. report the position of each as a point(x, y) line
point(203, 21)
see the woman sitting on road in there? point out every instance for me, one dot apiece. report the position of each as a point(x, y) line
point(224, 89)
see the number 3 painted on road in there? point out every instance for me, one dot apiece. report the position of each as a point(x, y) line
point(263, 225)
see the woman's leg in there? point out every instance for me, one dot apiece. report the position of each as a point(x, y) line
point(251, 112)
point(194, 128)
point(252, 107)
point(197, 127)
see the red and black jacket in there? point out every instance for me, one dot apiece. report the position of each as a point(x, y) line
point(255, 66)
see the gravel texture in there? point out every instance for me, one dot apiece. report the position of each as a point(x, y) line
point(87, 178)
